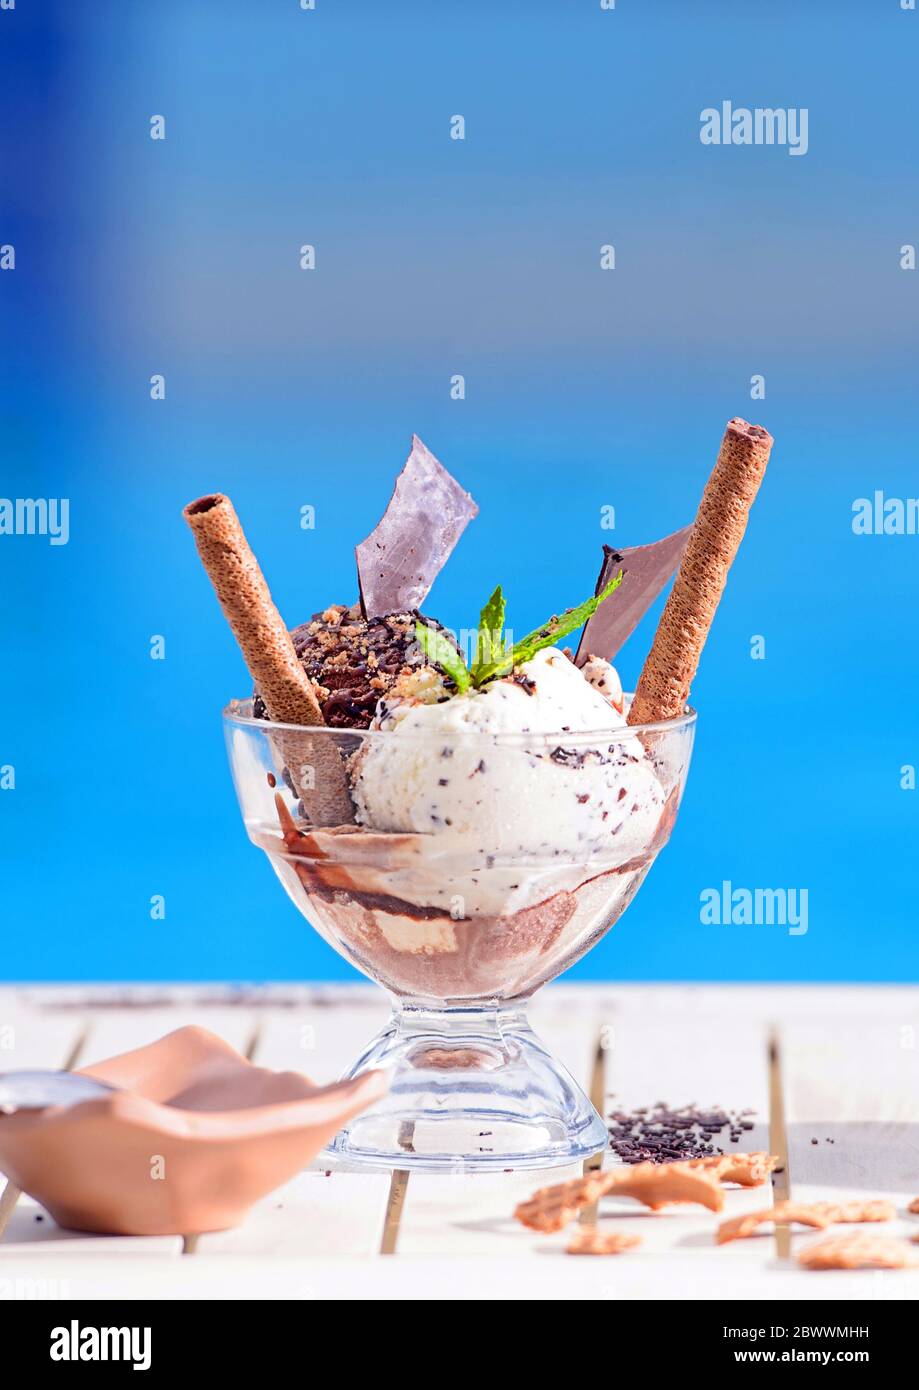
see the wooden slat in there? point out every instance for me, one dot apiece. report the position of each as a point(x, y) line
point(778, 1141)
point(395, 1204)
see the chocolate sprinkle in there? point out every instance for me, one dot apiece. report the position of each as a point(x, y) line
point(666, 1134)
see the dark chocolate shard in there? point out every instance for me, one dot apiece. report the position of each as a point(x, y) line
point(404, 554)
point(646, 569)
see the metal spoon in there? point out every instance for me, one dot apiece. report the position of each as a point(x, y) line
point(36, 1090)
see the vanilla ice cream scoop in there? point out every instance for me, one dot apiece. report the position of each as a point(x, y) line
point(535, 779)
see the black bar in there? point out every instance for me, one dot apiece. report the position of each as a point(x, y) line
point(266, 1338)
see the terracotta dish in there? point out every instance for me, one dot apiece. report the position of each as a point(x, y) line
point(193, 1138)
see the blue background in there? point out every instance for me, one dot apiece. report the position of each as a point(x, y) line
point(584, 389)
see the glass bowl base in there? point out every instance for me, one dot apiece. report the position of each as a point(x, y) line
point(471, 1089)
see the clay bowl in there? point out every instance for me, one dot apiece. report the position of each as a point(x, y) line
point(196, 1135)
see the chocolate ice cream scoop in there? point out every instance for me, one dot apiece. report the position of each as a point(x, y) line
point(353, 662)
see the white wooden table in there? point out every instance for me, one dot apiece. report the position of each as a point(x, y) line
point(835, 1065)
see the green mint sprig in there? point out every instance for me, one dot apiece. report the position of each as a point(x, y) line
point(492, 658)
point(438, 649)
point(490, 644)
point(544, 636)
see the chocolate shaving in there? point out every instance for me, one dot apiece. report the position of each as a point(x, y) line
point(646, 569)
point(404, 554)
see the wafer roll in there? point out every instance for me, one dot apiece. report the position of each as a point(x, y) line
point(663, 687)
point(314, 763)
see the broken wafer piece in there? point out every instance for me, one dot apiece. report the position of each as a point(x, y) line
point(848, 1212)
point(551, 1208)
point(859, 1251)
point(782, 1214)
point(655, 1185)
point(818, 1214)
point(409, 546)
point(748, 1170)
point(590, 1241)
point(663, 686)
point(659, 1185)
point(646, 569)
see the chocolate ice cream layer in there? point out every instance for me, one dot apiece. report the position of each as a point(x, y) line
point(423, 954)
point(342, 881)
point(353, 662)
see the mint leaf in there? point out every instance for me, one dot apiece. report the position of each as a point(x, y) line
point(490, 644)
point(544, 636)
point(438, 649)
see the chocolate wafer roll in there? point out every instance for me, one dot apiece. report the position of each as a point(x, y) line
point(663, 687)
point(314, 763)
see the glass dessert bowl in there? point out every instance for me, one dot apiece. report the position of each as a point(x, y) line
point(463, 816)
point(502, 859)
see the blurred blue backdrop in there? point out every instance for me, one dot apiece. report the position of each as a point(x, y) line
point(584, 389)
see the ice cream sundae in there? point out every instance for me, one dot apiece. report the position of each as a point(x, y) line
point(464, 824)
